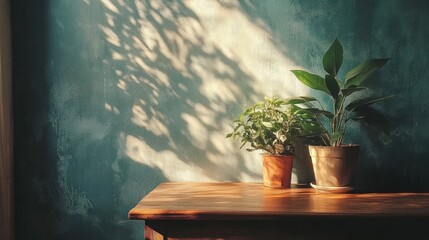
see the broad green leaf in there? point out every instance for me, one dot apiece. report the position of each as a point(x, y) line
point(347, 91)
point(373, 117)
point(333, 58)
point(308, 99)
point(333, 86)
point(314, 111)
point(355, 105)
point(311, 80)
point(306, 111)
point(327, 114)
point(358, 74)
point(299, 100)
point(311, 127)
point(307, 118)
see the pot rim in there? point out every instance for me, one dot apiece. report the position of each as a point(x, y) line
point(269, 154)
point(342, 146)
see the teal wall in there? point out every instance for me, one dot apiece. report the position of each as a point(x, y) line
point(113, 97)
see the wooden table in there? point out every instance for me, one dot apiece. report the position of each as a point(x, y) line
point(184, 210)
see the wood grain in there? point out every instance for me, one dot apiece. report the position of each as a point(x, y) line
point(248, 201)
point(6, 192)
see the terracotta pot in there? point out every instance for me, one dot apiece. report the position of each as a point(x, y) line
point(277, 170)
point(334, 166)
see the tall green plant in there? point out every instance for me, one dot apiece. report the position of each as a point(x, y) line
point(340, 90)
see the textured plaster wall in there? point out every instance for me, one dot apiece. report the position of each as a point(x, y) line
point(112, 97)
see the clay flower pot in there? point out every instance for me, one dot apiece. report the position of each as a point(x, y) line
point(334, 166)
point(277, 170)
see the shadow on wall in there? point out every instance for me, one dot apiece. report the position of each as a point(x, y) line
point(180, 71)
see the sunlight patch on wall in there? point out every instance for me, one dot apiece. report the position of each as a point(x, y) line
point(199, 133)
point(112, 37)
point(108, 4)
point(111, 108)
point(172, 44)
point(152, 124)
point(173, 168)
point(217, 84)
point(249, 44)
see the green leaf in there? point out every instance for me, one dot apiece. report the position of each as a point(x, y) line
point(355, 105)
point(373, 117)
point(314, 111)
point(358, 74)
point(311, 127)
point(308, 99)
point(299, 100)
point(347, 91)
point(333, 86)
point(333, 58)
point(311, 80)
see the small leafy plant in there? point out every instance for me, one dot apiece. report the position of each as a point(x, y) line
point(270, 125)
point(343, 110)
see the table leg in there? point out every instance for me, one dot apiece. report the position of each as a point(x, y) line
point(150, 234)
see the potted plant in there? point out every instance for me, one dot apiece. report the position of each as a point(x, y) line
point(334, 162)
point(272, 127)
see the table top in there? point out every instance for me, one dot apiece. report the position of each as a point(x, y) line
point(247, 201)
